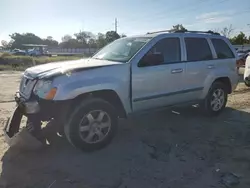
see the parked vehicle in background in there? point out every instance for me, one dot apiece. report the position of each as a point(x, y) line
point(241, 53)
point(18, 52)
point(242, 59)
point(37, 52)
point(129, 76)
point(247, 72)
point(36, 49)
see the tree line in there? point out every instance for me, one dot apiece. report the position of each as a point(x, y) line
point(85, 39)
point(228, 31)
point(82, 39)
point(238, 39)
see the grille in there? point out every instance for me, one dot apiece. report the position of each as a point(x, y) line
point(26, 86)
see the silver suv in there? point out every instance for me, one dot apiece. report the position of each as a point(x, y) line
point(85, 98)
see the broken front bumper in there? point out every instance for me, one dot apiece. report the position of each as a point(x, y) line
point(34, 108)
point(12, 126)
point(22, 139)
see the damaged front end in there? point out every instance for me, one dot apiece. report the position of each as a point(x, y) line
point(11, 129)
point(36, 109)
point(26, 105)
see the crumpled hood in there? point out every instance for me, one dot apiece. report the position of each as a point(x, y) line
point(51, 69)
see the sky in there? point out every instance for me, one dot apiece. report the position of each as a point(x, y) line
point(59, 17)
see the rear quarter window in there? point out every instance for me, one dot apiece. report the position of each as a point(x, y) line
point(222, 49)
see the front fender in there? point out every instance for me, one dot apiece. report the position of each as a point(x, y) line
point(72, 90)
point(95, 80)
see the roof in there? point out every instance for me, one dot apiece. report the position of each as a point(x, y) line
point(163, 32)
point(34, 45)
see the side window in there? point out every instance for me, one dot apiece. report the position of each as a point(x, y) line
point(198, 49)
point(165, 51)
point(222, 49)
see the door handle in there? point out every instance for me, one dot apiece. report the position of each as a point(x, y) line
point(174, 71)
point(210, 66)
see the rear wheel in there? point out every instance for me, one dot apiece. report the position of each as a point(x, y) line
point(92, 125)
point(216, 99)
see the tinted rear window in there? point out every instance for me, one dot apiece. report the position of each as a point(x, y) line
point(222, 49)
point(198, 49)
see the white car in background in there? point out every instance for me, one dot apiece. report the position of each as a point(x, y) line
point(247, 72)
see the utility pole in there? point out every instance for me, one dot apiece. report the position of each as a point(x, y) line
point(116, 25)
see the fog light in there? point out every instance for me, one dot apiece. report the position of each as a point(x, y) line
point(32, 107)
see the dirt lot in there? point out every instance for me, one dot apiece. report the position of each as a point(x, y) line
point(158, 150)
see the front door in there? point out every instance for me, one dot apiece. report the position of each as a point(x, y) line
point(158, 84)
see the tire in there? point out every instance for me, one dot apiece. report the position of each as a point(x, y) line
point(209, 108)
point(247, 83)
point(88, 114)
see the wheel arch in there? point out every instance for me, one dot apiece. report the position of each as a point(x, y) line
point(226, 81)
point(217, 77)
point(106, 94)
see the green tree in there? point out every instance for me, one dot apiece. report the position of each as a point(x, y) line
point(66, 38)
point(101, 40)
point(240, 39)
point(123, 35)
point(26, 38)
point(49, 38)
point(179, 27)
point(71, 43)
point(50, 42)
point(111, 36)
point(6, 45)
point(227, 31)
point(83, 37)
point(92, 43)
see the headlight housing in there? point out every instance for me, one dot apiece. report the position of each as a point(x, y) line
point(44, 89)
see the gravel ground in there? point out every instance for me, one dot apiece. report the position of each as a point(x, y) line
point(158, 150)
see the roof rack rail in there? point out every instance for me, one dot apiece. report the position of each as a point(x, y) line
point(162, 31)
point(205, 32)
point(180, 31)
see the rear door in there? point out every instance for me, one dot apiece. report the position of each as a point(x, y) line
point(199, 61)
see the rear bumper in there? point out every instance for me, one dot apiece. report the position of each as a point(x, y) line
point(234, 86)
point(234, 79)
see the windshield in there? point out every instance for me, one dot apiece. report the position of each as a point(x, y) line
point(122, 50)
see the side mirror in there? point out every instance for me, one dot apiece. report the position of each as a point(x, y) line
point(151, 60)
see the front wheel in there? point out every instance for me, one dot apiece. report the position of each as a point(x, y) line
point(215, 100)
point(92, 125)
